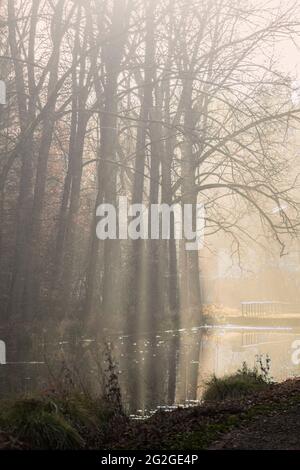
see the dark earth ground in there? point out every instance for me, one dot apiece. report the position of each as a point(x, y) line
point(265, 420)
point(278, 432)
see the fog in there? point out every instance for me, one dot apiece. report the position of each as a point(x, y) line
point(161, 102)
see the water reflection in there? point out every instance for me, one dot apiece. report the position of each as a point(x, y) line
point(171, 366)
point(224, 350)
point(204, 351)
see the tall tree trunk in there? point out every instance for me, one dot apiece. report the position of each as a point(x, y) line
point(34, 255)
point(112, 52)
point(137, 298)
point(26, 114)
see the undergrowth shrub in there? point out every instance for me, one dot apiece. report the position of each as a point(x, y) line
point(39, 423)
point(69, 414)
point(242, 383)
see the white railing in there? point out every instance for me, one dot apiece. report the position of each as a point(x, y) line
point(2, 92)
point(268, 307)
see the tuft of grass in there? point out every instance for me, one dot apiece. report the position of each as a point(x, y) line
point(39, 423)
point(71, 422)
point(240, 384)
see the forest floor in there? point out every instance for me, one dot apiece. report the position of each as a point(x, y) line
point(269, 419)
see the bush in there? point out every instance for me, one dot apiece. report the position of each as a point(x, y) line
point(39, 423)
point(244, 382)
point(71, 413)
point(71, 422)
point(93, 418)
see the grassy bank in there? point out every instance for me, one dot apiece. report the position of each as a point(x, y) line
point(202, 426)
point(75, 421)
point(50, 422)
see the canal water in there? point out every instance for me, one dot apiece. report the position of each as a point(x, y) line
point(148, 364)
point(212, 350)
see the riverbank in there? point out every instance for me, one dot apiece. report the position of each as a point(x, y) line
point(268, 419)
